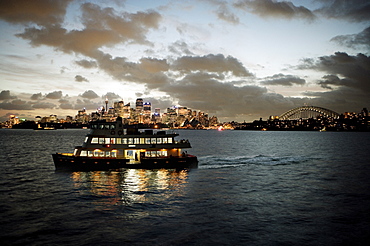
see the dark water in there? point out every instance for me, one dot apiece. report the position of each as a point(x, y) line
point(251, 188)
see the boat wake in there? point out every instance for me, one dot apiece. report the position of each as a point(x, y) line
point(213, 162)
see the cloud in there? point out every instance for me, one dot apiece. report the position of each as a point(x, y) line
point(352, 10)
point(79, 78)
point(16, 104)
point(111, 96)
point(54, 95)
point(103, 27)
point(354, 40)
point(5, 95)
point(347, 78)
point(284, 80)
point(210, 63)
point(42, 12)
point(180, 48)
point(43, 105)
point(271, 8)
point(223, 13)
point(86, 63)
point(36, 96)
point(89, 94)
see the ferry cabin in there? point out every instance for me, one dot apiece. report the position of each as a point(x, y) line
point(110, 140)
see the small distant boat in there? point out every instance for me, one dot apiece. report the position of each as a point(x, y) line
point(111, 146)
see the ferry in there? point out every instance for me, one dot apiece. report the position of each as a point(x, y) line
point(111, 145)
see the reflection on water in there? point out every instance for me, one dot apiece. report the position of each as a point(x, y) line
point(111, 188)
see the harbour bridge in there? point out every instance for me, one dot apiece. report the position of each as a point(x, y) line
point(306, 112)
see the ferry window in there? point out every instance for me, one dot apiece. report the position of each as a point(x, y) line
point(142, 140)
point(86, 138)
point(106, 126)
point(130, 141)
point(102, 154)
point(107, 153)
point(159, 153)
point(147, 141)
point(94, 140)
point(114, 154)
point(153, 141)
point(159, 140)
point(112, 127)
point(164, 153)
point(101, 126)
point(83, 153)
point(153, 153)
point(120, 152)
point(112, 141)
point(107, 140)
point(93, 126)
point(170, 140)
point(118, 141)
point(136, 140)
point(75, 152)
point(101, 141)
point(147, 154)
point(90, 153)
point(96, 153)
point(124, 140)
point(164, 140)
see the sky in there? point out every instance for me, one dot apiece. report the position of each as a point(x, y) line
point(238, 60)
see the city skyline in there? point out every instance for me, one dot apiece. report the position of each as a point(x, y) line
point(238, 60)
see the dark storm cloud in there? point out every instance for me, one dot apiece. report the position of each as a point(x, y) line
point(284, 80)
point(352, 10)
point(41, 12)
point(354, 40)
point(89, 94)
point(271, 8)
point(54, 95)
point(79, 78)
point(5, 95)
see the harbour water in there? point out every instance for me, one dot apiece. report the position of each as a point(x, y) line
point(251, 188)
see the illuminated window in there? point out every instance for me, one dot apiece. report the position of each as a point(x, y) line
point(118, 141)
point(170, 140)
point(142, 140)
point(124, 140)
point(114, 153)
point(130, 141)
point(159, 140)
point(101, 126)
point(75, 152)
point(106, 126)
point(86, 138)
point(153, 141)
point(107, 153)
point(112, 126)
point(164, 140)
point(113, 141)
point(102, 154)
point(96, 153)
point(101, 141)
point(107, 140)
point(147, 141)
point(83, 153)
point(94, 140)
point(136, 140)
point(90, 153)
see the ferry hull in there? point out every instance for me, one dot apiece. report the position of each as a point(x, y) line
point(73, 163)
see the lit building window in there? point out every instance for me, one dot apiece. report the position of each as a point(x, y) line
point(94, 140)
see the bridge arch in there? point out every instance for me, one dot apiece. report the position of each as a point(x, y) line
point(306, 112)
